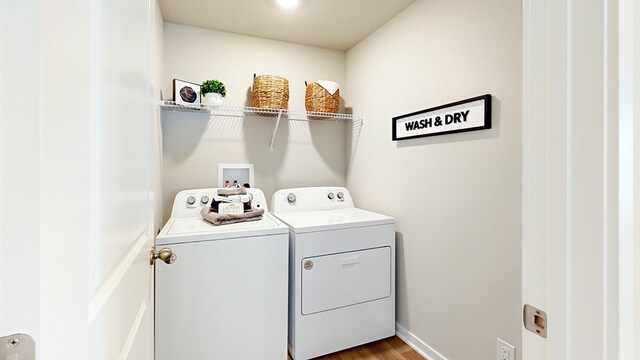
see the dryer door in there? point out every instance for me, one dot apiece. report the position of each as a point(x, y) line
point(338, 280)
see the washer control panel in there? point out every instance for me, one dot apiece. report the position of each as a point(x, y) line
point(311, 199)
point(188, 203)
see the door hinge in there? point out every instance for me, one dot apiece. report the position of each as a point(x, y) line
point(17, 347)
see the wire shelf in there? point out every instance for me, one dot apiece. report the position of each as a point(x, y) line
point(242, 111)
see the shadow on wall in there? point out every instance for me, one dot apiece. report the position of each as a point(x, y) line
point(353, 137)
point(306, 153)
point(258, 131)
point(248, 102)
point(324, 135)
point(257, 137)
point(401, 281)
point(297, 142)
point(494, 132)
point(180, 126)
point(343, 109)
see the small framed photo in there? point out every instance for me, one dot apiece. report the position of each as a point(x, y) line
point(186, 93)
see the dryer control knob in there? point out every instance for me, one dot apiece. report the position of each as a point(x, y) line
point(204, 199)
point(291, 198)
point(191, 200)
point(340, 195)
point(330, 196)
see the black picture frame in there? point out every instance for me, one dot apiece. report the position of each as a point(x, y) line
point(486, 124)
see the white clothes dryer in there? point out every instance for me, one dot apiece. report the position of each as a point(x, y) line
point(341, 271)
point(225, 296)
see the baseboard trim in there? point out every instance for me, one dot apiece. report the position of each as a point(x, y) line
point(418, 345)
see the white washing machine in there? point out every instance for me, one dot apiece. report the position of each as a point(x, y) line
point(341, 271)
point(225, 296)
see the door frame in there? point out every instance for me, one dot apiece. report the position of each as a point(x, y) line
point(578, 176)
point(20, 153)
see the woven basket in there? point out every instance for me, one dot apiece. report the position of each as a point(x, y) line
point(318, 99)
point(270, 91)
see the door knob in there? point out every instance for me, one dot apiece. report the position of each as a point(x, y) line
point(164, 254)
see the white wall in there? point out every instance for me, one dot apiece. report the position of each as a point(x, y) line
point(305, 154)
point(456, 198)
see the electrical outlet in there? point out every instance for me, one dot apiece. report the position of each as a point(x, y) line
point(505, 351)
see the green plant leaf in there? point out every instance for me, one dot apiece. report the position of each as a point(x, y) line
point(213, 86)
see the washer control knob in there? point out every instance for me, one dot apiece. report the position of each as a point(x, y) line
point(191, 200)
point(291, 198)
point(340, 195)
point(330, 196)
point(204, 199)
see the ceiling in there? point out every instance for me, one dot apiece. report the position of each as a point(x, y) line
point(331, 24)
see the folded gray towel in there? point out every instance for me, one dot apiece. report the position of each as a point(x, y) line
point(232, 191)
point(222, 219)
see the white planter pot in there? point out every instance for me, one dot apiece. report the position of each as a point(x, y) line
point(213, 99)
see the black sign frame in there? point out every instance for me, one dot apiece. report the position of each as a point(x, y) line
point(486, 125)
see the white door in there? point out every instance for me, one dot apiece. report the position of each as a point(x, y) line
point(76, 116)
point(578, 177)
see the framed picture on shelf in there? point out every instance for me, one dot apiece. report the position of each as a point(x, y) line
point(186, 93)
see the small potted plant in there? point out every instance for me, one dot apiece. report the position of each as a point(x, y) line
point(213, 91)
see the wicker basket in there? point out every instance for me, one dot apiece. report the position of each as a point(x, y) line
point(318, 99)
point(270, 91)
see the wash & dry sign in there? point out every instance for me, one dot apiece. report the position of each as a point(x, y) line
point(466, 115)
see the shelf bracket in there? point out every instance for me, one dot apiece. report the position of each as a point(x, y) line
point(275, 131)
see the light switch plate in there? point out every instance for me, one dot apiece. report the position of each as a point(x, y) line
point(505, 351)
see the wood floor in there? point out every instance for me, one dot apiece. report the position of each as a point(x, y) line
point(386, 349)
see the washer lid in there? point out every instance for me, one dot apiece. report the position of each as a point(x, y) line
point(323, 220)
point(183, 230)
